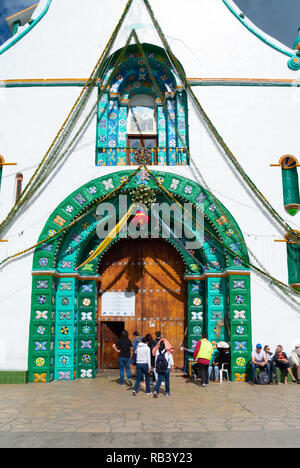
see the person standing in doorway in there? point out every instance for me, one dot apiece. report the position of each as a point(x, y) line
point(143, 366)
point(151, 343)
point(136, 341)
point(203, 353)
point(123, 346)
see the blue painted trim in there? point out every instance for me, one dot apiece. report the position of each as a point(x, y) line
point(258, 33)
point(26, 31)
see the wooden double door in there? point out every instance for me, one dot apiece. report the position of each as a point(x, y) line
point(152, 271)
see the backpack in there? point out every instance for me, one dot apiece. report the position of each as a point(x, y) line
point(161, 363)
point(262, 378)
point(133, 359)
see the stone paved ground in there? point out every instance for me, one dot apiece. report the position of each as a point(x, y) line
point(100, 413)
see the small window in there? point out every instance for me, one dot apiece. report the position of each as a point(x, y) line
point(19, 185)
point(142, 120)
point(142, 115)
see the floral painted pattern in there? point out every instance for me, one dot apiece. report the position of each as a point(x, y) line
point(217, 300)
point(69, 209)
point(237, 261)
point(42, 300)
point(197, 331)
point(43, 261)
point(239, 299)
point(197, 301)
point(229, 232)
point(239, 314)
point(40, 346)
point(64, 360)
point(86, 359)
point(240, 345)
point(40, 362)
point(188, 190)
point(40, 378)
point(241, 362)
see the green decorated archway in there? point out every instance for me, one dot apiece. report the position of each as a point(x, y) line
point(63, 339)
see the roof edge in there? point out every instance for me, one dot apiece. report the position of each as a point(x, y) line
point(17, 38)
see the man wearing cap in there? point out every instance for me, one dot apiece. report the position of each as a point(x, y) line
point(259, 361)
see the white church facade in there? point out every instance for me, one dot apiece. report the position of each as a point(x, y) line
point(127, 109)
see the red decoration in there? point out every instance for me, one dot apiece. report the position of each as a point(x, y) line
point(140, 218)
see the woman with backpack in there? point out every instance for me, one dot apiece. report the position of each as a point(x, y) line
point(151, 343)
point(164, 363)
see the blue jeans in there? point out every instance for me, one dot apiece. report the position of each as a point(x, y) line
point(216, 370)
point(255, 366)
point(124, 362)
point(163, 376)
point(142, 369)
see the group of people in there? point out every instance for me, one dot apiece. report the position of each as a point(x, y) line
point(212, 357)
point(264, 360)
point(148, 355)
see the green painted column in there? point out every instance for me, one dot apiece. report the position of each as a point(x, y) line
point(88, 329)
point(239, 311)
point(215, 309)
point(42, 330)
point(102, 128)
point(196, 302)
point(293, 256)
point(66, 330)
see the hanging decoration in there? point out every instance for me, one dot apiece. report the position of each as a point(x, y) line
point(143, 156)
point(144, 195)
point(140, 218)
point(111, 236)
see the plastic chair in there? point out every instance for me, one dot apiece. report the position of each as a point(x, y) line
point(223, 371)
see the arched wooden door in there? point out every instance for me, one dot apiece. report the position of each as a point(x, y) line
point(142, 288)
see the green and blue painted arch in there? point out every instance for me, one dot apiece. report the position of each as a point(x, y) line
point(223, 226)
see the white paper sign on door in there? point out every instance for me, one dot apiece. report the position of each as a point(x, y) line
point(118, 304)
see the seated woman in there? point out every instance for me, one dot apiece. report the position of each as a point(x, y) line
point(282, 362)
point(295, 361)
point(222, 356)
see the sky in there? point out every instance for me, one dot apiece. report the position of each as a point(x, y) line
point(278, 18)
point(8, 8)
